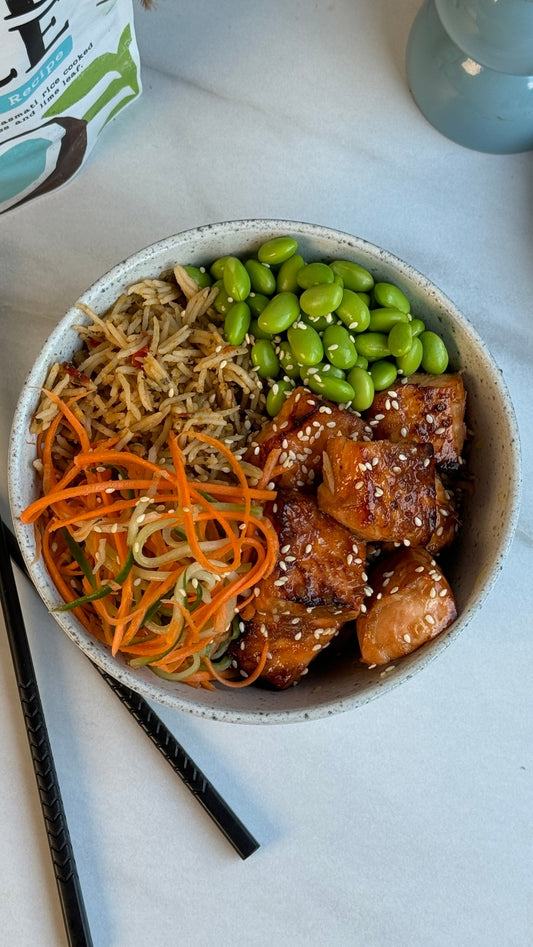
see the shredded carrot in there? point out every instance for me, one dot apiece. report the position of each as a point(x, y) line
point(175, 616)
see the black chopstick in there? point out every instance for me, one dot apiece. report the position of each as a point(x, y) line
point(220, 812)
point(68, 884)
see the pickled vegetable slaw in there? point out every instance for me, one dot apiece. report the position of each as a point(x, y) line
point(153, 563)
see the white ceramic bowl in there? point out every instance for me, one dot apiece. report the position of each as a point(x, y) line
point(489, 516)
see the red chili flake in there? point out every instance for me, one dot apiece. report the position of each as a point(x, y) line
point(138, 356)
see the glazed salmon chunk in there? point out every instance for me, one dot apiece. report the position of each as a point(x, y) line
point(425, 408)
point(318, 584)
point(411, 603)
point(300, 431)
point(383, 491)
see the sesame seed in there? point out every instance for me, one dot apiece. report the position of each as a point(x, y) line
point(407, 638)
point(429, 418)
point(430, 620)
point(418, 521)
point(316, 647)
point(403, 431)
point(297, 636)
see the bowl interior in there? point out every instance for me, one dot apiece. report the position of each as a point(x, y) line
point(336, 683)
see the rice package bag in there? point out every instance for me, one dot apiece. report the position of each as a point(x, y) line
point(67, 67)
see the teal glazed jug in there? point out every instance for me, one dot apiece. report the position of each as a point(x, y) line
point(470, 71)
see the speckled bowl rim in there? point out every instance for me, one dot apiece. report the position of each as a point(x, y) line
point(280, 707)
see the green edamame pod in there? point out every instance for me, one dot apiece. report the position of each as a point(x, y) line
point(410, 363)
point(363, 386)
point(400, 339)
point(382, 320)
point(417, 327)
point(373, 345)
point(321, 299)
point(391, 296)
point(287, 360)
point(334, 389)
point(257, 303)
point(217, 267)
point(312, 274)
point(355, 277)
point(305, 343)
point(236, 279)
point(199, 275)
point(237, 323)
point(353, 311)
point(277, 250)
point(286, 279)
point(383, 374)
point(264, 358)
point(434, 353)
point(339, 347)
point(221, 301)
point(276, 397)
point(279, 313)
point(262, 278)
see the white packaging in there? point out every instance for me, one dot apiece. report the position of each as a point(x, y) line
point(67, 67)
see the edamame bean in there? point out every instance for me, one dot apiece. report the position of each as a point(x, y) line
point(391, 296)
point(331, 370)
point(257, 303)
point(276, 397)
point(199, 275)
point(236, 279)
point(319, 322)
point(217, 267)
point(279, 313)
point(277, 250)
point(361, 362)
point(305, 343)
point(365, 297)
point(257, 332)
point(221, 301)
point(339, 348)
point(434, 353)
point(409, 363)
point(334, 389)
point(287, 360)
point(237, 323)
point(312, 274)
point(262, 278)
point(383, 374)
point(353, 311)
point(286, 279)
point(320, 299)
point(400, 339)
point(265, 359)
point(355, 277)
point(363, 386)
point(417, 327)
point(373, 345)
point(382, 320)
point(307, 371)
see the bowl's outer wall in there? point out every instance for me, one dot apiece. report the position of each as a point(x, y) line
point(490, 512)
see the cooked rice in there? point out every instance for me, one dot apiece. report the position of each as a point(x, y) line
point(184, 377)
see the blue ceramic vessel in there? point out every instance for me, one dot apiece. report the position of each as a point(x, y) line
point(470, 71)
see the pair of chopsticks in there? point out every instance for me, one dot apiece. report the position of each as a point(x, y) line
point(60, 845)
